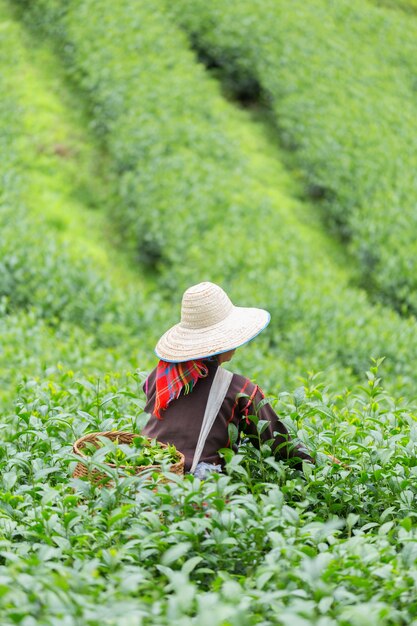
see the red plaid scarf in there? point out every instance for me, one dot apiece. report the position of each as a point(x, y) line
point(172, 378)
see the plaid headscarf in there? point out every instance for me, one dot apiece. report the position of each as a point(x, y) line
point(172, 378)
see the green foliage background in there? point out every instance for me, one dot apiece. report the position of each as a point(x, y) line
point(267, 146)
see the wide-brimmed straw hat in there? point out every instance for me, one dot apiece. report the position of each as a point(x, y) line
point(210, 324)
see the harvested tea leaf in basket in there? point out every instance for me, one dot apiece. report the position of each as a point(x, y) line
point(129, 452)
point(142, 452)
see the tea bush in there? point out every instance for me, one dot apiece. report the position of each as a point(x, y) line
point(34, 270)
point(340, 80)
point(60, 302)
point(45, 267)
point(324, 547)
point(198, 194)
point(409, 6)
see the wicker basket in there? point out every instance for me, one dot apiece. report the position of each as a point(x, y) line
point(95, 475)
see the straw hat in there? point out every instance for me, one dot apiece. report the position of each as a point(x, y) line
point(210, 324)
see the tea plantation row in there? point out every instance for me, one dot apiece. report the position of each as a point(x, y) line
point(409, 6)
point(58, 296)
point(198, 198)
point(340, 80)
point(37, 271)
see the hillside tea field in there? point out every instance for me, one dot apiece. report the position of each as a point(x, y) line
point(238, 198)
point(267, 146)
point(340, 80)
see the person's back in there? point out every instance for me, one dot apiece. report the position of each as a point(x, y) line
point(178, 389)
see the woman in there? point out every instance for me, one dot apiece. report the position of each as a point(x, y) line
point(179, 389)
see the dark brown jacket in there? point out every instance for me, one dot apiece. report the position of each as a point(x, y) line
point(181, 421)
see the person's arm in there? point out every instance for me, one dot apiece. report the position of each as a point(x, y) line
point(283, 446)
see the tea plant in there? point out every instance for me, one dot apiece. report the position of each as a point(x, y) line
point(49, 264)
point(339, 81)
point(409, 6)
point(223, 187)
point(322, 546)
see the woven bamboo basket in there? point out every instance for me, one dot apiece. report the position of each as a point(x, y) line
point(95, 475)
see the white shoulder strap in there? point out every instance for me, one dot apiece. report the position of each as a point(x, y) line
point(219, 387)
